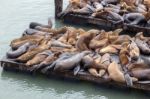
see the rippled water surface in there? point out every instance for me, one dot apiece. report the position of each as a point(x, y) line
point(15, 16)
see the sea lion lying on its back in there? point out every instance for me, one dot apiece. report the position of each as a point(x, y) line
point(83, 42)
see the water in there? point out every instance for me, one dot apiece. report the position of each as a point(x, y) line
point(15, 16)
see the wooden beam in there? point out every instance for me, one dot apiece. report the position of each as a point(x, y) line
point(58, 7)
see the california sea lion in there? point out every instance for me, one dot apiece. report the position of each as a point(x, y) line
point(134, 18)
point(83, 42)
point(37, 59)
point(28, 38)
point(21, 50)
point(112, 49)
point(134, 51)
point(56, 43)
point(105, 60)
point(94, 72)
point(71, 62)
point(34, 24)
point(141, 74)
point(121, 39)
point(31, 53)
point(98, 6)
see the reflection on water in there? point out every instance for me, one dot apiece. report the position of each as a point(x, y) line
point(15, 17)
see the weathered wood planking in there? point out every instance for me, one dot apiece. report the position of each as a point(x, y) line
point(9, 65)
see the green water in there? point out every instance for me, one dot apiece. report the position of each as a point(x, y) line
point(15, 16)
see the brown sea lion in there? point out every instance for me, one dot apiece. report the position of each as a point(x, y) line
point(121, 39)
point(61, 49)
point(123, 54)
point(83, 42)
point(71, 62)
point(38, 58)
point(31, 53)
point(54, 31)
point(21, 50)
point(20, 41)
point(141, 74)
point(99, 41)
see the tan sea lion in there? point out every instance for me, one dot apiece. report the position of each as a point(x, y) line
point(83, 42)
point(31, 53)
point(61, 49)
point(105, 60)
point(38, 58)
point(28, 38)
point(121, 39)
point(94, 72)
point(112, 49)
point(115, 73)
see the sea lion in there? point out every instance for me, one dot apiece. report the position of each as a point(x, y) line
point(112, 49)
point(98, 6)
point(62, 49)
point(99, 41)
point(86, 10)
point(48, 61)
point(134, 51)
point(21, 50)
point(56, 43)
point(108, 15)
point(106, 2)
point(83, 42)
point(134, 18)
point(121, 39)
point(16, 43)
point(115, 73)
point(71, 62)
point(105, 60)
point(94, 72)
point(143, 46)
point(37, 59)
point(54, 31)
point(141, 74)
point(31, 53)
point(35, 24)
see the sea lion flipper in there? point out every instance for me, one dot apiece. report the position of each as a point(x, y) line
point(128, 80)
point(76, 69)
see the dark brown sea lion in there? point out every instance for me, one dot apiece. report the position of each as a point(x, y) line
point(134, 18)
point(83, 42)
point(34, 24)
point(37, 59)
point(31, 53)
point(21, 50)
point(141, 74)
point(71, 62)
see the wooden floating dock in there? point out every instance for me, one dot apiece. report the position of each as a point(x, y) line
point(100, 23)
point(9, 65)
